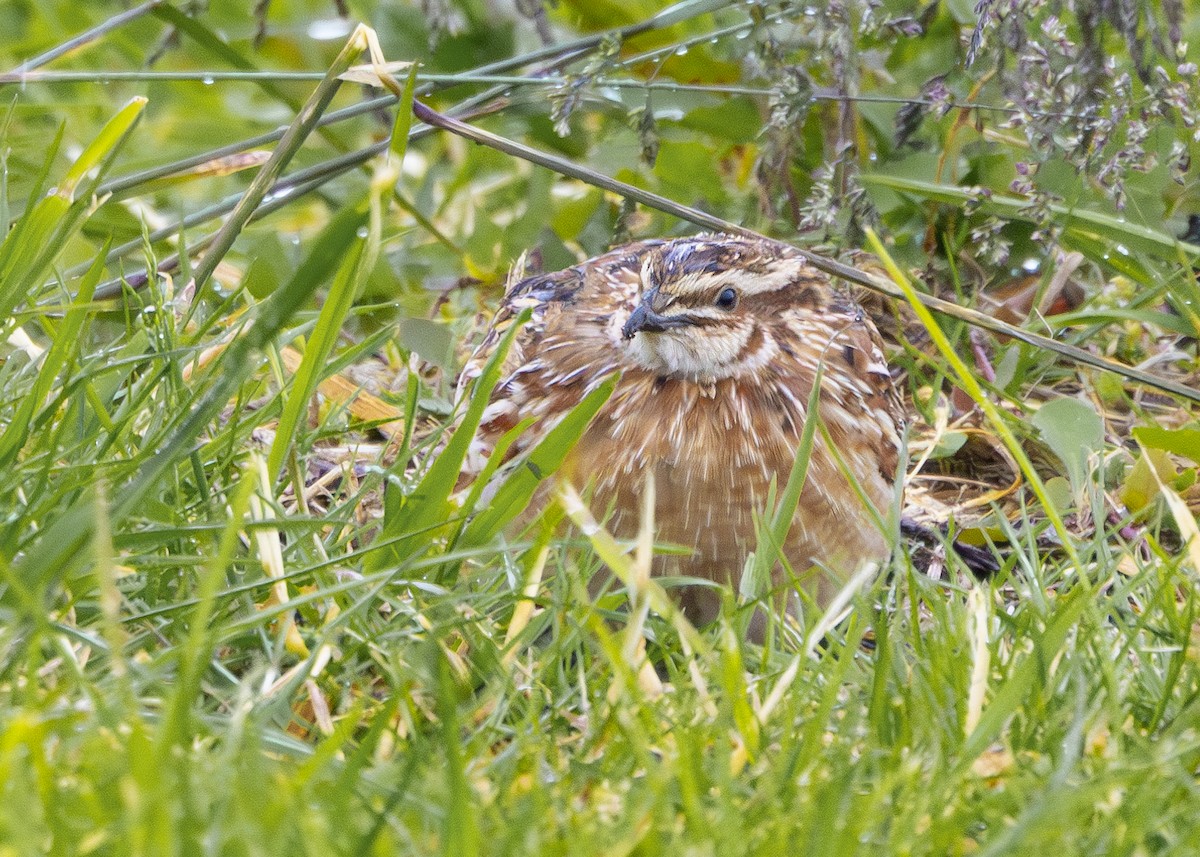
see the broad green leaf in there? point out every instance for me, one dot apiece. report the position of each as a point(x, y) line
point(1181, 441)
point(1141, 486)
point(948, 444)
point(1074, 432)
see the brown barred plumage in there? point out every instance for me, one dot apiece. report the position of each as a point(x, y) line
point(718, 340)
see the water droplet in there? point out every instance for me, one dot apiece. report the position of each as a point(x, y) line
point(207, 80)
point(361, 232)
point(681, 51)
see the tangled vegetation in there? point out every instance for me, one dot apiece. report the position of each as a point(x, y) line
point(243, 609)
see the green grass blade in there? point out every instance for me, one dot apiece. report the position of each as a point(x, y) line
point(55, 549)
point(195, 648)
point(31, 248)
point(429, 503)
point(210, 41)
point(101, 147)
point(768, 552)
point(15, 247)
point(1086, 223)
point(64, 345)
point(307, 120)
point(967, 380)
point(358, 262)
point(404, 117)
point(543, 461)
point(1025, 674)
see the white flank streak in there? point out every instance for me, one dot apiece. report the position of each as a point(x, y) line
point(566, 379)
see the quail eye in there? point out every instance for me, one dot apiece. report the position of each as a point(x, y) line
point(727, 299)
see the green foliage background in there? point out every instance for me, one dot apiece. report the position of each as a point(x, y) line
point(191, 661)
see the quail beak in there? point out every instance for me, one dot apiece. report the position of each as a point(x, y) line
point(646, 320)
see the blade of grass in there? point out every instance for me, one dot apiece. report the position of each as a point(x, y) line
point(210, 41)
point(621, 565)
point(43, 232)
point(354, 270)
point(89, 35)
point(543, 461)
point(768, 552)
point(971, 386)
point(14, 242)
point(1114, 229)
point(429, 503)
point(404, 117)
point(306, 121)
point(195, 648)
point(680, 12)
point(56, 547)
point(1025, 673)
point(64, 345)
point(737, 691)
